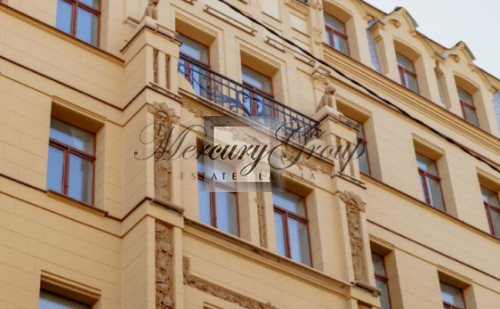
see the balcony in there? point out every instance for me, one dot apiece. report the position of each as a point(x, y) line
point(248, 102)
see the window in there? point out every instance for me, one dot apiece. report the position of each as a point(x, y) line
point(79, 18)
point(490, 199)
point(407, 73)
point(336, 36)
point(218, 202)
point(71, 161)
point(430, 182)
point(363, 161)
point(53, 301)
point(381, 280)
point(258, 93)
point(291, 224)
point(194, 63)
point(452, 297)
point(468, 108)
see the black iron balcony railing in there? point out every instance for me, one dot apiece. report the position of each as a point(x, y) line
point(248, 102)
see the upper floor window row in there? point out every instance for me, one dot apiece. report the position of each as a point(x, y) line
point(79, 18)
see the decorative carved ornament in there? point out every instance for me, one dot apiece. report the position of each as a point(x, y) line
point(152, 9)
point(288, 156)
point(317, 35)
point(164, 117)
point(221, 292)
point(261, 212)
point(195, 110)
point(354, 207)
point(164, 252)
point(315, 4)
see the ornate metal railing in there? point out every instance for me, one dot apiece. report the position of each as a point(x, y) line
point(248, 102)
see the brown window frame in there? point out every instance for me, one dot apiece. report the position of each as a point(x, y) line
point(213, 203)
point(285, 214)
point(74, 17)
point(363, 141)
point(383, 278)
point(424, 174)
point(450, 306)
point(402, 71)
point(332, 32)
point(472, 107)
point(67, 151)
point(254, 110)
point(490, 208)
point(199, 62)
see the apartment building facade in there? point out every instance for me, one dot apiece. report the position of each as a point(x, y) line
point(387, 147)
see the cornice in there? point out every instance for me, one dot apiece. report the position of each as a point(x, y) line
point(406, 98)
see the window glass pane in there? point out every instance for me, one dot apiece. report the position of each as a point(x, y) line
point(328, 39)
point(55, 169)
point(378, 264)
point(289, 201)
point(364, 167)
point(53, 301)
point(405, 62)
point(452, 295)
point(384, 297)
point(334, 23)
point(470, 116)
point(422, 186)
point(465, 96)
point(495, 219)
point(80, 179)
point(256, 79)
point(193, 49)
point(435, 196)
point(299, 242)
point(426, 164)
point(92, 3)
point(72, 136)
point(63, 17)
point(411, 83)
point(280, 233)
point(342, 45)
point(227, 218)
point(86, 27)
point(490, 197)
point(204, 202)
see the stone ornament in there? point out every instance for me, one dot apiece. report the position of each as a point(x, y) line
point(354, 207)
point(328, 98)
point(152, 9)
point(221, 292)
point(164, 253)
point(261, 211)
point(317, 35)
point(164, 118)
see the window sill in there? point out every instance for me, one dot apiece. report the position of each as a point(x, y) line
point(68, 200)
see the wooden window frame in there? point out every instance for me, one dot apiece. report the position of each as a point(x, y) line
point(75, 4)
point(383, 278)
point(464, 105)
point(331, 33)
point(253, 108)
point(67, 151)
point(423, 174)
point(285, 214)
point(363, 141)
point(490, 208)
point(213, 203)
point(402, 71)
point(199, 62)
point(450, 306)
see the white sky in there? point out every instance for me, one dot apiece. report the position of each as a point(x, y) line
point(447, 22)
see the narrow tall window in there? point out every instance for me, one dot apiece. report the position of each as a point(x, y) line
point(468, 108)
point(336, 36)
point(194, 64)
point(218, 201)
point(490, 199)
point(430, 182)
point(381, 280)
point(407, 73)
point(364, 163)
point(452, 297)
point(53, 301)
point(79, 18)
point(291, 224)
point(257, 93)
point(71, 161)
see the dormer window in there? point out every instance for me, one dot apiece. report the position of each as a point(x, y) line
point(407, 73)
